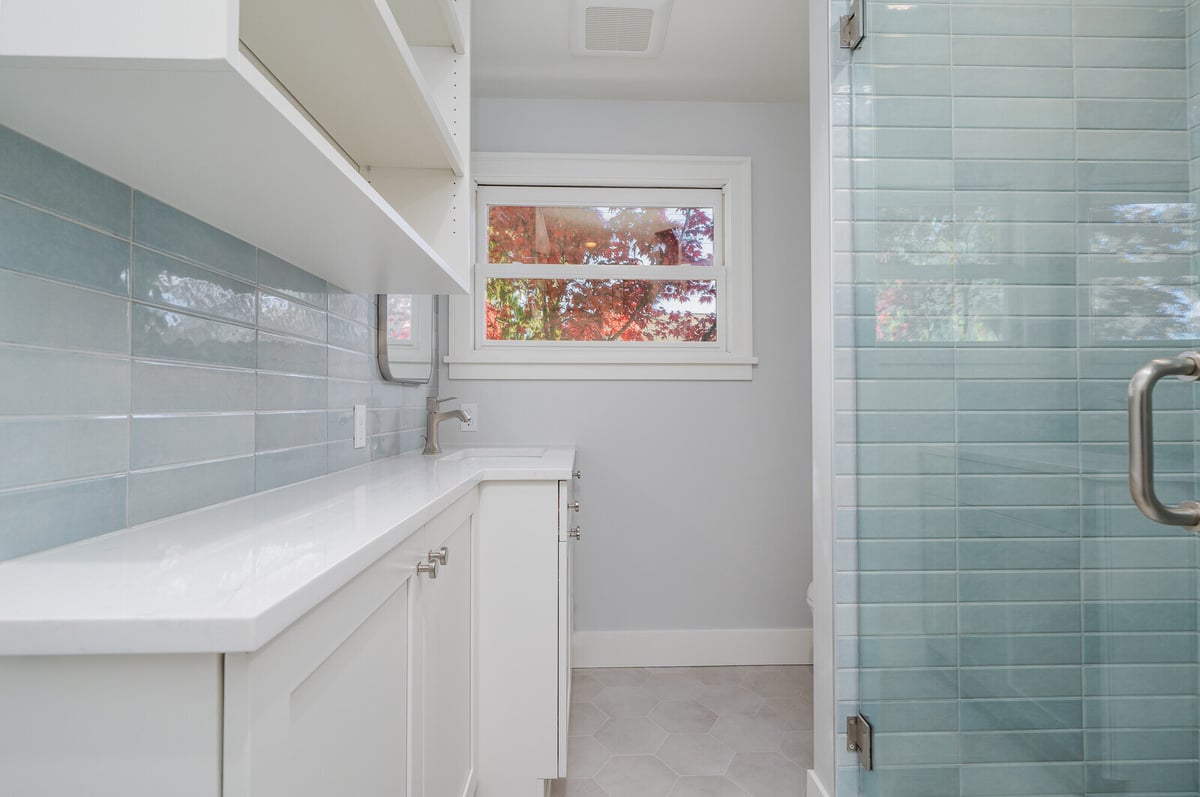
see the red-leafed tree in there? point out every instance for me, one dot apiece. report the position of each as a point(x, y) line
point(599, 309)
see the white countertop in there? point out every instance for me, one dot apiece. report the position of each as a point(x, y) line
point(228, 578)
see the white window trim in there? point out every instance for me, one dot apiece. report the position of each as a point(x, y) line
point(734, 360)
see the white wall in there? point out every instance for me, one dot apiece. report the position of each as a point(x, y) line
point(696, 495)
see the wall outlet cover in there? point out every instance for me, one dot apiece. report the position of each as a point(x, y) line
point(360, 425)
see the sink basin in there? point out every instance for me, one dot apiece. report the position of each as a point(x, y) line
point(494, 453)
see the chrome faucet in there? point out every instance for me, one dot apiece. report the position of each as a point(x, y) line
point(433, 418)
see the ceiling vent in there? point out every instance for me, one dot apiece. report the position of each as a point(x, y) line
point(629, 28)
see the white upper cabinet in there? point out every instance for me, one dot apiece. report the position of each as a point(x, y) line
point(332, 133)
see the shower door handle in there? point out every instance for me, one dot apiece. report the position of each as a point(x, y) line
point(1186, 366)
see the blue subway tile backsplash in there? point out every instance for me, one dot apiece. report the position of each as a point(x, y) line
point(156, 364)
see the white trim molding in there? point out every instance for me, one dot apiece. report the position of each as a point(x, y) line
point(825, 747)
point(692, 648)
point(733, 359)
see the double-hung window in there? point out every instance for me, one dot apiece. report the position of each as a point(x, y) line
point(607, 268)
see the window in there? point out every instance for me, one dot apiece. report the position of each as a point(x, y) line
point(575, 278)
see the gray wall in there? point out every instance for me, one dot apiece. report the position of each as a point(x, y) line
point(696, 494)
point(153, 364)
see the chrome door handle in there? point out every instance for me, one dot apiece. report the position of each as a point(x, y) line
point(1186, 366)
point(441, 555)
point(428, 568)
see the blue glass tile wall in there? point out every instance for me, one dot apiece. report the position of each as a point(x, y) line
point(1015, 200)
point(154, 364)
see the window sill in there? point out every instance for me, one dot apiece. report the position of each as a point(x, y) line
point(711, 369)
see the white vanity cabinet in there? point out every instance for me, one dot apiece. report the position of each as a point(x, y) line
point(526, 552)
point(297, 642)
point(445, 720)
point(371, 692)
point(323, 708)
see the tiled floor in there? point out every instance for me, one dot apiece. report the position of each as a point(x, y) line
point(689, 732)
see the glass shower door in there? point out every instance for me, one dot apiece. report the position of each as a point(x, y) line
point(1015, 238)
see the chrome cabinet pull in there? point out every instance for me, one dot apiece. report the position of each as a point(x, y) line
point(1186, 366)
point(427, 568)
point(573, 505)
point(574, 533)
point(441, 555)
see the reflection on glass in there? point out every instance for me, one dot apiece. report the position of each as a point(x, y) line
point(601, 310)
point(1144, 231)
point(399, 316)
point(630, 236)
point(1153, 294)
point(939, 312)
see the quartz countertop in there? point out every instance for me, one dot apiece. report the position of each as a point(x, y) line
point(228, 578)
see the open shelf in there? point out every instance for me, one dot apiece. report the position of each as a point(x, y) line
point(350, 67)
point(277, 156)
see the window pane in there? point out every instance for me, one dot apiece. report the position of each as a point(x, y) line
point(594, 309)
point(626, 236)
point(399, 317)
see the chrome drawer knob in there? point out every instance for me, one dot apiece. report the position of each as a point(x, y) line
point(427, 568)
point(441, 555)
point(574, 533)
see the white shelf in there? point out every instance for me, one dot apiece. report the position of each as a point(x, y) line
point(431, 23)
point(173, 107)
point(348, 64)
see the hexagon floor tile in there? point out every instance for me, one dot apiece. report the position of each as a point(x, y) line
point(689, 732)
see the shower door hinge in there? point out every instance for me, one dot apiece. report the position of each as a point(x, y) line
point(858, 740)
point(852, 29)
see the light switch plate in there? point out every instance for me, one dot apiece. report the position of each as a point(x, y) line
point(360, 425)
point(473, 424)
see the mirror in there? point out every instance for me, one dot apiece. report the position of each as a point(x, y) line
point(407, 337)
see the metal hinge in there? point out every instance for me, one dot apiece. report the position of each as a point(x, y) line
point(858, 740)
point(852, 28)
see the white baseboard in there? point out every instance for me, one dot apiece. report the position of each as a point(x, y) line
point(815, 789)
point(699, 648)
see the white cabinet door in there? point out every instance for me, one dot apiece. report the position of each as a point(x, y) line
point(566, 618)
point(323, 708)
point(444, 735)
point(525, 571)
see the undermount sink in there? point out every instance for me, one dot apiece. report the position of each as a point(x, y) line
point(494, 453)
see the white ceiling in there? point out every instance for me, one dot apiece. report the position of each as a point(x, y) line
point(716, 50)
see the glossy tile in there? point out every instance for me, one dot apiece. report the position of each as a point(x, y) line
point(286, 392)
point(63, 383)
point(41, 312)
point(168, 491)
point(281, 276)
point(170, 335)
point(174, 439)
point(172, 388)
point(277, 430)
point(141, 366)
point(39, 176)
point(289, 355)
point(62, 449)
point(277, 468)
point(288, 316)
point(162, 280)
point(162, 227)
point(37, 243)
point(43, 517)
